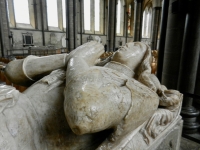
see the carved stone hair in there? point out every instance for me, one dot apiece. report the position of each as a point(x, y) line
point(145, 66)
point(144, 69)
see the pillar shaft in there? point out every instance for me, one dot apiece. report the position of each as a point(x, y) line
point(190, 51)
point(189, 65)
point(196, 42)
point(71, 31)
point(4, 29)
point(161, 46)
point(155, 27)
point(42, 6)
point(173, 44)
point(138, 20)
point(111, 26)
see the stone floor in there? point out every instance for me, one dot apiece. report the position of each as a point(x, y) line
point(187, 144)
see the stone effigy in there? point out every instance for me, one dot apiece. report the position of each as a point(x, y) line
point(76, 101)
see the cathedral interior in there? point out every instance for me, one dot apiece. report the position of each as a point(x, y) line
point(170, 27)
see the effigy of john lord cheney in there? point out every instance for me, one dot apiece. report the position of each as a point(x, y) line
point(79, 101)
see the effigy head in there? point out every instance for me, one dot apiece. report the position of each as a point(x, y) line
point(131, 54)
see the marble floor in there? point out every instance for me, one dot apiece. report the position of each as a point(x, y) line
point(187, 144)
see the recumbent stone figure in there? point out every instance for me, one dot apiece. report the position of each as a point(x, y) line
point(78, 102)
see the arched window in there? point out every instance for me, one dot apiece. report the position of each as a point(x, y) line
point(97, 15)
point(52, 13)
point(120, 17)
point(21, 13)
point(87, 14)
point(93, 16)
point(146, 23)
point(64, 13)
point(56, 14)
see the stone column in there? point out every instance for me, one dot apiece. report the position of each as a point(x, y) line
point(71, 26)
point(111, 26)
point(155, 23)
point(161, 47)
point(4, 28)
point(138, 20)
point(81, 20)
point(189, 65)
point(43, 20)
point(173, 44)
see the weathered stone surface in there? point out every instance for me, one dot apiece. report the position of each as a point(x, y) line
point(171, 140)
point(168, 139)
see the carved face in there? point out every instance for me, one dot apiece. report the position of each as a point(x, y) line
point(131, 54)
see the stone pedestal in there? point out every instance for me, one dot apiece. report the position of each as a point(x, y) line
point(169, 139)
point(190, 115)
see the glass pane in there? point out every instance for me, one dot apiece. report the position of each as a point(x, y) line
point(52, 13)
point(118, 16)
point(87, 14)
point(21, 11)
point(64, 13)
point(97, 15)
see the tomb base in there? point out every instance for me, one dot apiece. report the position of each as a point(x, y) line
point(170, 138)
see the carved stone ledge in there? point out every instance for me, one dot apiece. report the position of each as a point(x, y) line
point(169, 139)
